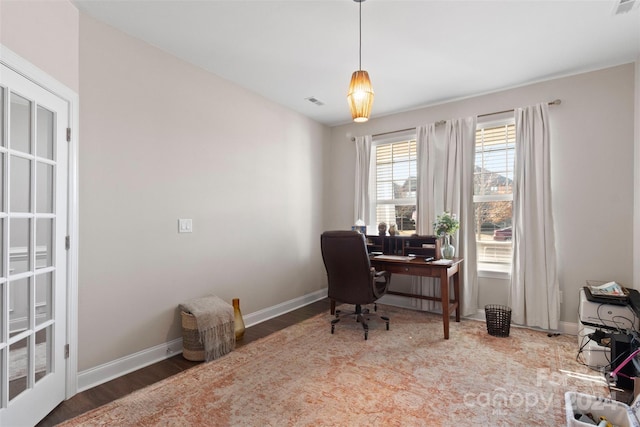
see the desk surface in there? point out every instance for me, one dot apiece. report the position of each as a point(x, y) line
point(417, 261)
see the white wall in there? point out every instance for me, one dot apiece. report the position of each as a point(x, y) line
point(163, 140)
point(592, 171)
point(45, 33)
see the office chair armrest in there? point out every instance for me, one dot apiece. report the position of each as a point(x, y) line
point(376, 282)
point(376, 274)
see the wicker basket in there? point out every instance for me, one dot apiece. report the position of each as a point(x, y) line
point(498, 320)
point(192, 348)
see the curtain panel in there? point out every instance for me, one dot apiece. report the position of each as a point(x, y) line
point(445, 183)
point(425, 199)
point(460, 137)
point(425, 186)
point(362, 202)
point(534, 290)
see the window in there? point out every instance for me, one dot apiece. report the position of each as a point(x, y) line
point(395, 183)
point(493, 194)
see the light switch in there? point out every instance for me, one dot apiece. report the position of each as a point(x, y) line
point(185, 225)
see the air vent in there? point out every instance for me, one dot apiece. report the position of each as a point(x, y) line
point(624, 6)
point(315, 100)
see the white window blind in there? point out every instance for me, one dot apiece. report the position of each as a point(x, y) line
point(396, 180)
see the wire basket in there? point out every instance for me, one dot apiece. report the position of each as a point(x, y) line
point(498, 320)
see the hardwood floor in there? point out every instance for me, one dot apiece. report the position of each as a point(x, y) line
point(112, 390)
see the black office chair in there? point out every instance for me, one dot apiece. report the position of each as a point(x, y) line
point(352, 280)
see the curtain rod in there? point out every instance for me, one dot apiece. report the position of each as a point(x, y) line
point(441, 122)
point(554, 102)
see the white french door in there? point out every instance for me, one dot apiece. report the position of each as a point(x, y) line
point(33, 259)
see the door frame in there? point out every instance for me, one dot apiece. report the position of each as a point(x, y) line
point(36, 75)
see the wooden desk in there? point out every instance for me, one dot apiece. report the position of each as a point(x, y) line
point(418, 267)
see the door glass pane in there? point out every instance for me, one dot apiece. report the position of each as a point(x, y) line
point(2, 116)
point(19, 249)
point(2, 336)
point(3, 271)
point(44, 142)
point(3, 355)
point(18, 357)
point(44, 293)
point(43, 353)
point(18, 306)
point(20, 184)
point(44, 243)
point(20, 136)
point(44, 191)
point(2, 207)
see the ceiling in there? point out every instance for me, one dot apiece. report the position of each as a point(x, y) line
point(418, 53)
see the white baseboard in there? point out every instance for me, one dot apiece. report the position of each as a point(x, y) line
point(111, 370)
point(282, 308)
point(568, 328)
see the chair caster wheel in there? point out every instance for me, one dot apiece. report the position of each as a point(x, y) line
point(386, 319)
point(333, 325)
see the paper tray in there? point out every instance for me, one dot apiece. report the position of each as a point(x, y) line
point(605, 299)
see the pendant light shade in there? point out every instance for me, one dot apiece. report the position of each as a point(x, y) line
point(360, 96)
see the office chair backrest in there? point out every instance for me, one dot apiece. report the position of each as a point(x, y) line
point(348, 267)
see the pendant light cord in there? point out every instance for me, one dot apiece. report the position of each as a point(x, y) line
point(360, 35)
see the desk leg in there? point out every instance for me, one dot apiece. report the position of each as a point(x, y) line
point(456, 293)
point(444, 295)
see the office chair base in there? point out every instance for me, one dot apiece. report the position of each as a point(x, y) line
point(359, 318)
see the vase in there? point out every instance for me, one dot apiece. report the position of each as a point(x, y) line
point(447, 250)
point(237, 319)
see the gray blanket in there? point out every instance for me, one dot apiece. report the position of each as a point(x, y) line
point(215, 321)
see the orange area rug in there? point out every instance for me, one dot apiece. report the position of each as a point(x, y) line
point(407, 376)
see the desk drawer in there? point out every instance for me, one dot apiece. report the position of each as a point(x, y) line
point(412, 270)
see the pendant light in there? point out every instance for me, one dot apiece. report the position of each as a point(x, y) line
point(360, 94)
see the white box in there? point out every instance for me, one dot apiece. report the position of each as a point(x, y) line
point(617, 413)
point(611, 316)
point(593, 354)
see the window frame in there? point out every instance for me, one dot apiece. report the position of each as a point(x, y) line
point(397, 137)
